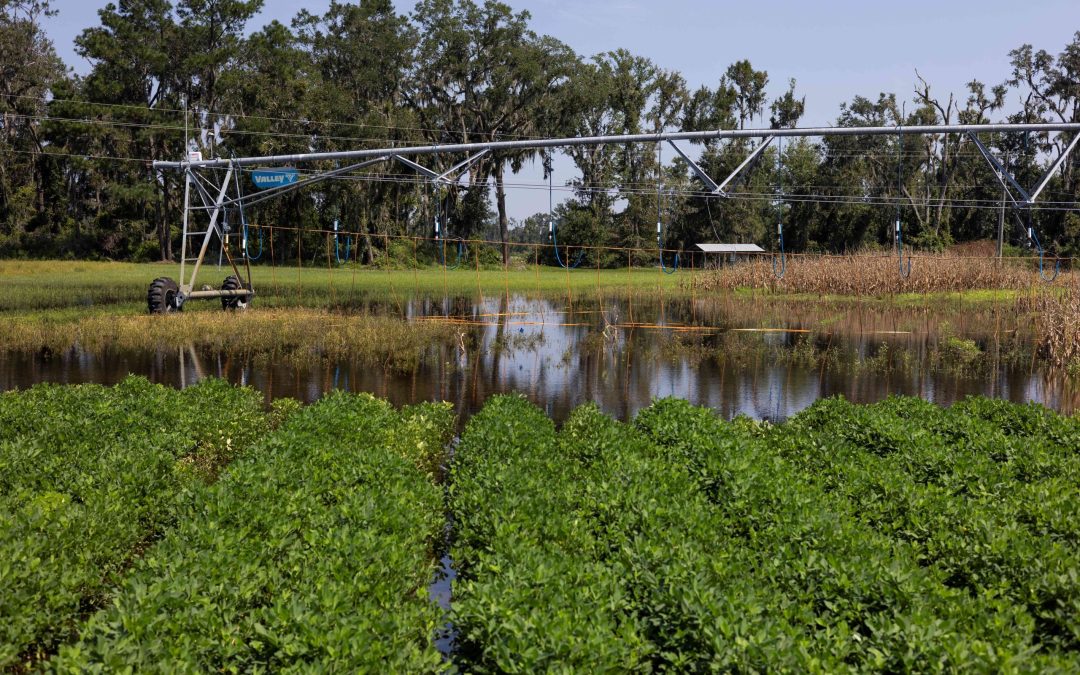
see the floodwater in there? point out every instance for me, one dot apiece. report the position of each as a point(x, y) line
point(745, 356)
point(737, 356)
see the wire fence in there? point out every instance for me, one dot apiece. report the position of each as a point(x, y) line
point(613, 276)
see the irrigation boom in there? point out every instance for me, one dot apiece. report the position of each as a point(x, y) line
point(534, 143)
point(219, 197)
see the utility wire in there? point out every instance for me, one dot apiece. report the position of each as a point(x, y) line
point(294, 120)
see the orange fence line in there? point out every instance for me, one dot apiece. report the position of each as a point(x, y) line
point(416, 239)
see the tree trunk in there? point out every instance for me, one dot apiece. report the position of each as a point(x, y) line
point(164, 240)
point(369, 251)
point(164, 231)
point(39, 188)
point(915, 207)
point(500, 200)
point(371, 218)
point(3, 186)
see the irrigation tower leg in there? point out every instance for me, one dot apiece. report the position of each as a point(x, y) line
point(188, 287)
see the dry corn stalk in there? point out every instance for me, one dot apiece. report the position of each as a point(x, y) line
point(1058, 331)
point(874, 274)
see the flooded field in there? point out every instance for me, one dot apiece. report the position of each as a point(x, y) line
point(740, 355)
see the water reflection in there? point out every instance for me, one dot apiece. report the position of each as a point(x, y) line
point(622, 352)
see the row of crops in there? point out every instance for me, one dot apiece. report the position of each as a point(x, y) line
point(148, 529)
point(143, 528)
point(894, 537)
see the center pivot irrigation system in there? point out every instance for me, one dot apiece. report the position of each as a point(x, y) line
point(221, 195)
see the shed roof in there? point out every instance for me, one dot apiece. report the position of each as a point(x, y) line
point(731, 248)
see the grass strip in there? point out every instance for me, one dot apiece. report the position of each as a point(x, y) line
point(55, 284)
point(280, 334)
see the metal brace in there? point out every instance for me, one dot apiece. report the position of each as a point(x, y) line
point(282, 189)
point(1007, 178)
point(447, 177)
point(187, 288)
point(718, 188)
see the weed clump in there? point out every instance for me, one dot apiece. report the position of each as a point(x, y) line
point(280, 334)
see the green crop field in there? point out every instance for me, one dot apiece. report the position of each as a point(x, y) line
point(314, 550)
point(90, 475)
point(895, 537)
point(148, 529)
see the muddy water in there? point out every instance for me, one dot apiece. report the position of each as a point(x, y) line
point(738, 356)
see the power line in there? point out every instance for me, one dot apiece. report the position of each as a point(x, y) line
point(291, 120)
point(79, 155)
point(224, 133)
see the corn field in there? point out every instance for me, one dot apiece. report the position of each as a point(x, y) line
point(875, 274)
point(1058, 328)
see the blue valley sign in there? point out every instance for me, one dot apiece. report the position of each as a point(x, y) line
point(265, 179)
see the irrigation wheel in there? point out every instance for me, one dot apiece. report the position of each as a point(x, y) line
point(231, 283)
point(161, 297)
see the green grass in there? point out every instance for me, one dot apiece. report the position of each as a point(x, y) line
point(35, 285)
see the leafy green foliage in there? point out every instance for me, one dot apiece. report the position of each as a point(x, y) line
point(88, 476)
point(312, 551)
point(896, 537)
point(533, 589)
point(899, 536)
point(985, 493)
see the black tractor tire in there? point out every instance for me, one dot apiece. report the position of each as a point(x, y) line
point(161, 297)
point(234, 302)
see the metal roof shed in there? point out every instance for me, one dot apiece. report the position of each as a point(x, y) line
point(732, 253)
point(731, 248)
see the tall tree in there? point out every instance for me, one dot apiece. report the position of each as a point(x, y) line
point(856, 175)
point(1050, 92)
point(211, 32)
point(133, 91)
point(486, 76)
point(29, 68)
point(749, 87)
point(360, 55)
point(787, 110)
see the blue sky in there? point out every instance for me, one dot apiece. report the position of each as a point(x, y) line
point(834, 49)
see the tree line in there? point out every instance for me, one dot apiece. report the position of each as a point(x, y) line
point(75, 150)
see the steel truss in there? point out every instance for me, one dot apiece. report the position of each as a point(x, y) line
point(216, 198)
point(1022, 206)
